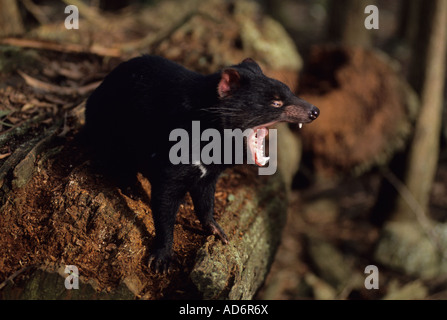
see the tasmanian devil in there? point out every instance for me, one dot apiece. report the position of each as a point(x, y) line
point(130, 116)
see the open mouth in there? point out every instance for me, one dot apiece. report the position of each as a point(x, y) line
point(256, 143)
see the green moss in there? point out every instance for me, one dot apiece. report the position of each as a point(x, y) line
point(13, 58)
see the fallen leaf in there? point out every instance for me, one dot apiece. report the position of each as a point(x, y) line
point(4, 155)
point(44, 86)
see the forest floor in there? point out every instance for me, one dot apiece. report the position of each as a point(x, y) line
point(339, 219)
point(335, 219)
point(331, 223)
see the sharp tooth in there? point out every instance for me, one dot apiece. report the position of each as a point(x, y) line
point(300, 125)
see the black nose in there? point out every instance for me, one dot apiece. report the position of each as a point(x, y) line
point(314, 113)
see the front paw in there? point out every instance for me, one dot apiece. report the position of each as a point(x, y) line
point(161, 261)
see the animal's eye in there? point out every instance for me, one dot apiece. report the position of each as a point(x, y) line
point(277, 103)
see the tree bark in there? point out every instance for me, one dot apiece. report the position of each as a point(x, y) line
point(429, 82)
point(409, 13)
point(346, 22)
point(10, 19)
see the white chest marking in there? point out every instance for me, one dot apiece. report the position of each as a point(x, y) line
point(201, 167)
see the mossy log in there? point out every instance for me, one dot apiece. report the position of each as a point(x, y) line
point(57, 211)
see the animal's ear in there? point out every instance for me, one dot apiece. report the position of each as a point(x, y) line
point(229, 81)
point(249, 60)
point(252, 65)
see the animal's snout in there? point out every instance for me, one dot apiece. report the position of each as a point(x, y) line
point(314, 113)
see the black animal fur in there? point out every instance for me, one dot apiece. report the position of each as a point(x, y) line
point(130, 115)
